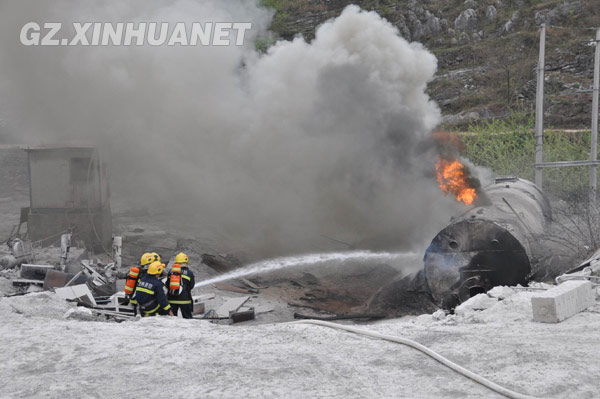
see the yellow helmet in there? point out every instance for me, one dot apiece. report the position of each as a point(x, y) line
point(156, 256)
point(156, 268)
point(181, 258)
point(146, 259)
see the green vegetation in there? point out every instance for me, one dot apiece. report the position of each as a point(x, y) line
point(262, 43)
point(507, 147)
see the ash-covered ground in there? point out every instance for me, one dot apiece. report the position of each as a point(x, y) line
point(49, 355)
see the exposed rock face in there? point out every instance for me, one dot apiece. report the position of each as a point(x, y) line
point(432, 24)
point(467, 116)
point(497, 35)
point(510, 25)
point(466, 20)
point(556, 14)
point(491, 13)
point(418, 30)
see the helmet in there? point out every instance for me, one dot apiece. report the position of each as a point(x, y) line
point(181, 258)
point(156, 256)
point(156, 268)
point(146, 259)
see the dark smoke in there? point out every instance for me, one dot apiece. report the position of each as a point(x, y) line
point(271, 151)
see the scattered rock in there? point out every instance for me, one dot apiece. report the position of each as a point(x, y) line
point(510, 25)
point(80, 313)
point(439, 315)
point(460, 118)
point(464, 39)
point(491, 13)
point(432, 24)
point(403, 28)
point(418, 31)
point(470, 4)
point(501, 292)
point(444, 24)
point(478, 302)
point(8, 262)
point(466, 20)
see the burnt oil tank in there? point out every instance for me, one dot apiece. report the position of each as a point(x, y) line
point(494, 243)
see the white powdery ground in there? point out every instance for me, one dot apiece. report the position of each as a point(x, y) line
point(45, 355)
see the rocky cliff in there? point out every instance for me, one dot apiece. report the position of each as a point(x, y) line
point(487, 51)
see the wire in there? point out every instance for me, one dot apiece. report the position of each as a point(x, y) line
point(459, 369)
point(52, 236)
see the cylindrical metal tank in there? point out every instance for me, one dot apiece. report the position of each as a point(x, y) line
point(493, 243)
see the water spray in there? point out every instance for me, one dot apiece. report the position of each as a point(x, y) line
point(304, 260)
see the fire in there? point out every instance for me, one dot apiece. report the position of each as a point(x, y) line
point(452, 177)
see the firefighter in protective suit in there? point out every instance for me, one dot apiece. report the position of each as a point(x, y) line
point(134, 275)
point(180, 283)
point(150, 294)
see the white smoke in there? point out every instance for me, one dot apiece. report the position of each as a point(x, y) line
point(273, 150)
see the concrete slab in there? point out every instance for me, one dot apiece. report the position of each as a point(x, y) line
point(76, 292)
point(205, 297)
point(231, 305)
point(264, 309)
point(562, 301)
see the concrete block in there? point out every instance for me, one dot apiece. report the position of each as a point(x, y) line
point(242, 314)
point(562, 301)
point(198, 308)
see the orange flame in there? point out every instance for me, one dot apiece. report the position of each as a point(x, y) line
point(452, 179)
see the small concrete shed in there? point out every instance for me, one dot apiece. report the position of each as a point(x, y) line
point(68, 189)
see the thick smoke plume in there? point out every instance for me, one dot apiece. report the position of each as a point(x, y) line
point(272, 151)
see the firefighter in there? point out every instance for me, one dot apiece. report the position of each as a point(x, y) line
point(180, 283)
point(156, 256)
point(150, 294)
point(134, 275)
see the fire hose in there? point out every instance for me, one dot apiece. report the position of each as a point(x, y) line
point(446, 362)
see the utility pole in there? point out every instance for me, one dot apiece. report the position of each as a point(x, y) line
point(539, 111)
point(594, 146)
